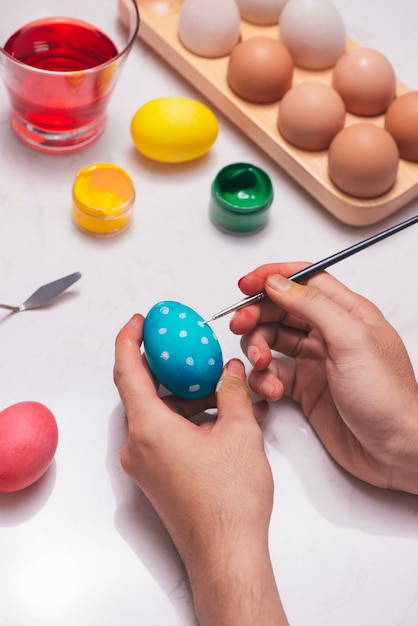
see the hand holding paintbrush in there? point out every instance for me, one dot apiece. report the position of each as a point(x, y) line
point(321, 265)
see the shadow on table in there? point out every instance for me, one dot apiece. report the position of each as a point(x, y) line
point(141, 528)
point(16, 508)
point(337, 495)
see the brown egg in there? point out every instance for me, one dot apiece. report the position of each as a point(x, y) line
point(366, 81)
point(363, 160)
point(401, 121)
point(260, 69)
point(310, 115)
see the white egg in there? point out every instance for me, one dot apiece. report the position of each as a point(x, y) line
point(262, 12)
point(314, 33)
point(209, 28)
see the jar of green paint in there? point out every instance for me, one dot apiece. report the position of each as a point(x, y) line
point(241, 197)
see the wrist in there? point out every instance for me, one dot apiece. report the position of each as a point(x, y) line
point(403, 470)
point(233, 583)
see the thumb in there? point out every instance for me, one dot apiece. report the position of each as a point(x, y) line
point(314, 307)
point(233, 395)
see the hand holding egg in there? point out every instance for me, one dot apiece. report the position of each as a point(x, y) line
point(182, 351)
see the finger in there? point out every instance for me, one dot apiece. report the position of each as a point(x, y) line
point(189, 408)
point(349, 300)
point(248, 318)
point(258, 344)
point(132, 377)
point(269, 384)
point(261, 409)
point(233, 395)
point(313, 305)
point(207, 420)
point(254, 281)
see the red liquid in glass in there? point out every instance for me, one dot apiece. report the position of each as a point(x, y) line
point(67, 97)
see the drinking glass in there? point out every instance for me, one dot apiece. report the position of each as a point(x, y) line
point(60, 61)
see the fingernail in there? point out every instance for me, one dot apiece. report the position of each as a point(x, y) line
point(240, 281)
point(268, 390)
point(236, 369)
point(253, 355)
point(279, 282)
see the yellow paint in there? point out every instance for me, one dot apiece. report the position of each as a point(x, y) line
point(103, 197)
point(174, 129)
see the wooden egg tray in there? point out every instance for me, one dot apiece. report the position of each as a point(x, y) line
point(158, 29)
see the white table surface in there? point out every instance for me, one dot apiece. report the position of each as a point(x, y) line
point(83, 546)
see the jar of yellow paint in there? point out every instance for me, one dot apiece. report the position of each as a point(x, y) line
point(103, 198)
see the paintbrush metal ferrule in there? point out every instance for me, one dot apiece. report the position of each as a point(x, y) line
point(238, 305)
point(311, 270)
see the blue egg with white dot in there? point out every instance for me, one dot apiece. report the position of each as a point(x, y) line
point(182, 351)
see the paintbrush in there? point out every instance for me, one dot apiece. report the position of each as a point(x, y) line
point(309, 271)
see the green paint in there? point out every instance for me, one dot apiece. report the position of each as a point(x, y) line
point(241, 196)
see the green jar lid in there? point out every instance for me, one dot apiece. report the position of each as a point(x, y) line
point(241, 196)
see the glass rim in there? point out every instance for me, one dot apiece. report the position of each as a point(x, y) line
point(87, 70)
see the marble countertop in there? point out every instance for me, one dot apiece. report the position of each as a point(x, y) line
point(83, 546)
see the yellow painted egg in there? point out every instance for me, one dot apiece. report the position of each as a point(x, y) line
point(174, 129)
